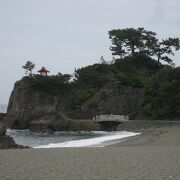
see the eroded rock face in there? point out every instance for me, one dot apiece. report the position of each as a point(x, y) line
point(25, 105)
point(122, 100)
point(2, 129)
point(2, 115)
point(40, 111)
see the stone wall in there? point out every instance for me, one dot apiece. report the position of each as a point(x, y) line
point(138, 125)
point(111, 117)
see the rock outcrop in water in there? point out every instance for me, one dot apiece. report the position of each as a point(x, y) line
point(7, 142)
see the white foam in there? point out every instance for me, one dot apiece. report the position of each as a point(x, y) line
point(92, 141)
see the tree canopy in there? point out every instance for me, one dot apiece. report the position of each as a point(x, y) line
point(49, 84)
point(164, 48)
point(29, 66)
point(162, 95)
point(130, 42)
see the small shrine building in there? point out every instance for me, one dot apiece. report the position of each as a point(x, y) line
point(43, 71)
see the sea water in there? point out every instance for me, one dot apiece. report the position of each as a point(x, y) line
point(61, 139)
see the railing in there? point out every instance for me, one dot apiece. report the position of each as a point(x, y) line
point(111, 118)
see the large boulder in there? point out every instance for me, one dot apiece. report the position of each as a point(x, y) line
point(7, 142)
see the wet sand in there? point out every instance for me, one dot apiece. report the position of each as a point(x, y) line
point(165, 136)
point(154, 155)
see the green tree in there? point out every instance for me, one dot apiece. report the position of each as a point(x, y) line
point(162, 95)
point(164, 48)
point(65, 78)
point(93, 76)
point(130, 42)
point(29, 66)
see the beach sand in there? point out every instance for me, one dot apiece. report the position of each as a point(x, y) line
point(164, 136)
point(154, 155)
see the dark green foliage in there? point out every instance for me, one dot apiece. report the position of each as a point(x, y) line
point(162, 95)
point(164, 48)
point(81, 97)
point(130, 71)
point(134, 81)
point(138, 65)
point(29, 66)
point(130, 42)
point(129, 68)
point(94, 76)
point(49, 84)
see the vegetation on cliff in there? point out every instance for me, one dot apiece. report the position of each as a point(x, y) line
point(134, 70)
point(162, 94)
point(29, 66)
point(132, 41)
point(49, 84)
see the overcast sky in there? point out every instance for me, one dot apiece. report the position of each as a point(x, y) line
point(66, 34)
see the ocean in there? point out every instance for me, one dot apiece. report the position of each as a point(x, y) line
point(61, 139)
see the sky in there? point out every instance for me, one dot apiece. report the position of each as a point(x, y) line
point(66, 34)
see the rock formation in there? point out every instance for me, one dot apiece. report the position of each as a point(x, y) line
point(41, 111)
point(26, 105)
point(2, 129)
point(112, 99)
point(7, 142)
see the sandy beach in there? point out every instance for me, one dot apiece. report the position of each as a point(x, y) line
point(153, 155)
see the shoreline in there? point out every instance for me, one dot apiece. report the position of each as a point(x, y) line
point(152, 136)
point(161, 136)
point(152, 155)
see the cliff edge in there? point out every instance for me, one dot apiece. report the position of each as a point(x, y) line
point(38, 110)
point(58, 103)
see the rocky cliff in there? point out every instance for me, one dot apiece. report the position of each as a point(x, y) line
point(2, 116)
point(26, 105)
point(39, 110)
point(111, 99)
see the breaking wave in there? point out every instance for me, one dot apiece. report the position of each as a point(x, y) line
point(60, 139)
